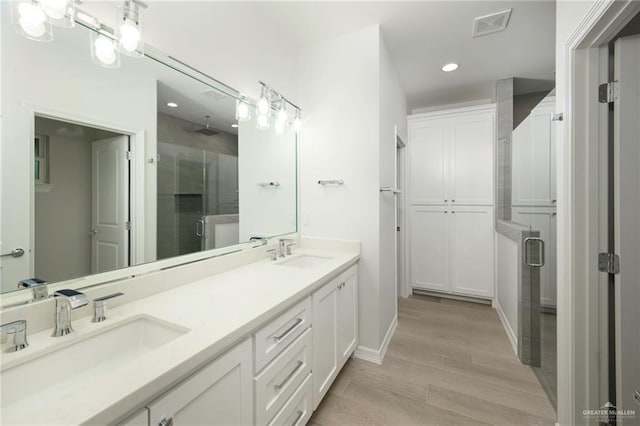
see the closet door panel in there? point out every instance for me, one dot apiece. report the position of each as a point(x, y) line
point(429, 236)
point(471, 176)
point(428, 161)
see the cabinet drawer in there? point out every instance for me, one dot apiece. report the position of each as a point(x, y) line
point(276, 336)
point(281, 378)
point(297, 411)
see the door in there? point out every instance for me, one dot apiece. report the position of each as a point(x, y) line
point(543, 219)
point(626, 178)
point(471, 181)
point(325, 339)
point(471, 251)
point(347, 317)
point(428, 161)
point(219, 394)
point(110, 204)
point(429, 247)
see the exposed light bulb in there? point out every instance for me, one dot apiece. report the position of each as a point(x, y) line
point(55, 9)
point(31, 13)
point(105, 50)
point(34, 30)
point(262, 121)
point(263, 106)
point(282, 115)
point(129, 35)
point(242, 111)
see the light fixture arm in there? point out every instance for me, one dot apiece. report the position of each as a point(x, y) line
point(278, 94)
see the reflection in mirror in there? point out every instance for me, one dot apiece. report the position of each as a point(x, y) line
point(106, 168)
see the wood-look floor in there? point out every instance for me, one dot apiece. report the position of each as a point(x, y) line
point(449, 363)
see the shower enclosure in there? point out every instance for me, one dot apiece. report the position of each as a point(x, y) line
point(197, 200)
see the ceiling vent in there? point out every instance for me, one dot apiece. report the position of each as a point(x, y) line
point(214, 94)
point(490, 24)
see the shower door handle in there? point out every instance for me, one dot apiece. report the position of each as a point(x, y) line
point(528, 242)
point(199, 227)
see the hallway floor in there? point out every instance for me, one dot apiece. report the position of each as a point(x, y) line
point(449, 363)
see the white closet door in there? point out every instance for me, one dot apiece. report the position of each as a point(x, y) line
point(543, 219)
point(429, 241)
point(428, 161)
point(471, 177)
point(471, 251)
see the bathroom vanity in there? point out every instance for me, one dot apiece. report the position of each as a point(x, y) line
point(257, 344)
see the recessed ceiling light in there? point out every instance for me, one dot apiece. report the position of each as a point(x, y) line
point(172, 104)
point(234, 125)
point(450, 67)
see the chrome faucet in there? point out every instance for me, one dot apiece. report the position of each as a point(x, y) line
point(66, 300)
point(100, 307)
point(262, 240)
point(285, 246)
point(16, 336)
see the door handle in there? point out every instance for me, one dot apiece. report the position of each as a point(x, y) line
point(18, 252)
point(527, 243)
point(199, 227)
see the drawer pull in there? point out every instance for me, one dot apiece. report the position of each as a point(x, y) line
point(298, 417)
point(284, 382)
point(288, 330)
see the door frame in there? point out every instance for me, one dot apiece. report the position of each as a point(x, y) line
point(403, 288)
point(136, 173)
point(581, 144)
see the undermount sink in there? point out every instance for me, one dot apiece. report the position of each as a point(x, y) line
point(67, 368)
point(304, 261)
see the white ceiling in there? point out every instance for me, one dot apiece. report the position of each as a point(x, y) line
point(421, 36)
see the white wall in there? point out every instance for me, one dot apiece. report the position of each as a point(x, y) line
point(393, 112)
point(344, 83)
point(34, 76)
point(507, 285)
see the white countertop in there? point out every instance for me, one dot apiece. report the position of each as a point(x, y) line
point(219, 311)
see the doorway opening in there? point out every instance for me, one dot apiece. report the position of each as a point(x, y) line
point(81, 200)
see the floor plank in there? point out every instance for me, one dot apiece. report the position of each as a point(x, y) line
point(449, 362)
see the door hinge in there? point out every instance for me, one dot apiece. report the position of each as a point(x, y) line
point(608, 92)
point(127, 226)
point(128, 155)
point(609, 263)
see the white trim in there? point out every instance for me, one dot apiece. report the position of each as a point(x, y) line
point(456, 111)
point(578, 338)
point(513, 338)
point(424, 110)
point(377, 355)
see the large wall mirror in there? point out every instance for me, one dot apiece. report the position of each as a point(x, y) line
point(104, 169)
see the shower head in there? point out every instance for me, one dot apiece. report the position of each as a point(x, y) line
point(206, 130)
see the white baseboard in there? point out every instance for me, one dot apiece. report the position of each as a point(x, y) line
point(377, 355)
point(505, 324)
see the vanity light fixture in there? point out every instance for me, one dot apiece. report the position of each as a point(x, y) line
point(263, 122)
point(282, 115)
point(242, 109)
point(263, 106)
point(129, 28)
point(61, 13)
point(172, 105)
point(450, 67)
point(279, 105)
point(30, 21)
point(103, 50)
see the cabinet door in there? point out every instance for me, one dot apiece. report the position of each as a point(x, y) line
point(471, 176)
point(428, 161)
point(219, 394)
point(429, 246)
point(141, 418)
point(543, 219)
point(325, 341)
point(471, 251)
point(347, 316)
point(534, 160)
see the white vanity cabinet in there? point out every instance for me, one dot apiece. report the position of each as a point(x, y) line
point(334, 330)
point(221, 393)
